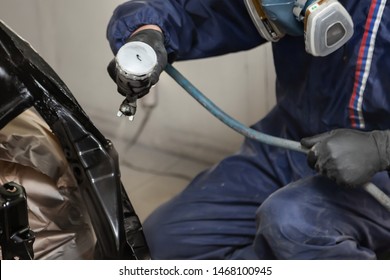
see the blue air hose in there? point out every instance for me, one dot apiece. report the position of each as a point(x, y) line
point(380, 196)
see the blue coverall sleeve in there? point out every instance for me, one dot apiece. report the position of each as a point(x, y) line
point(192, 28)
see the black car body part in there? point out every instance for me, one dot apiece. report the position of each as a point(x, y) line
point(26, 81)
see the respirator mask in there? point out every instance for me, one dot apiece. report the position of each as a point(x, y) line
point(325, 24)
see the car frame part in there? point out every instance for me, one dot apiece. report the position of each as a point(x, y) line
point(16, 237)
point(26, 81)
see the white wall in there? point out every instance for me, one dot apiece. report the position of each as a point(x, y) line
point(70, 36)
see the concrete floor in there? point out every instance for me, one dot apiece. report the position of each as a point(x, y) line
point(151, 176)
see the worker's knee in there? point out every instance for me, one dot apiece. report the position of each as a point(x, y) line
point(289, 221)
point(309, 219)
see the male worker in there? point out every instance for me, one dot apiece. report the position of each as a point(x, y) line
point(266, 202)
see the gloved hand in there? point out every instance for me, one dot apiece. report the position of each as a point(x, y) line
point(349, 157)
point(136, 88)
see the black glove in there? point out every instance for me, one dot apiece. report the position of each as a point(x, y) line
point(349, 157)
point(134, 89)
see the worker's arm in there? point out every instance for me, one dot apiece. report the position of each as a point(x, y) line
point(349, 157)
point(191, 28)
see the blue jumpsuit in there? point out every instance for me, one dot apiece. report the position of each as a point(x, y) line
point(265, 202)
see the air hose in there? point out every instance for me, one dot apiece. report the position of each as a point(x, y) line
point(373, 190)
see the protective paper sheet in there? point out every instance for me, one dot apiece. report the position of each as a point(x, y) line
point(31, 156)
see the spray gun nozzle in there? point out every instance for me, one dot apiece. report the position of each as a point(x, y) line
point(128, 108)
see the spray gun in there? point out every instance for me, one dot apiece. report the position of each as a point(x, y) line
point(134, 64)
